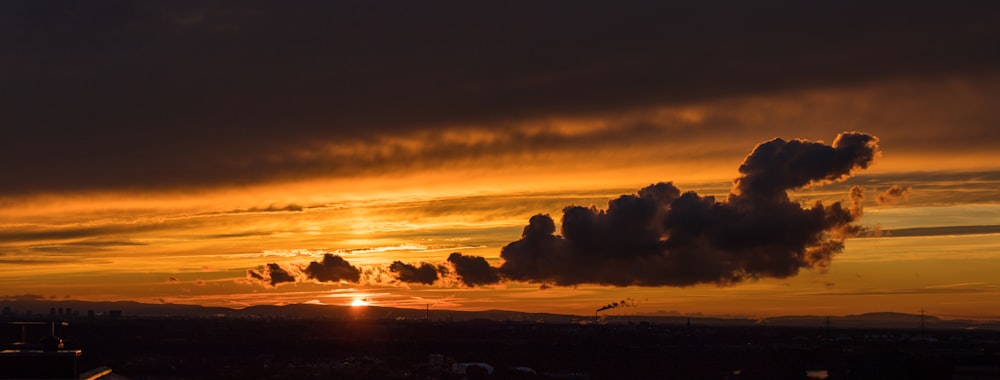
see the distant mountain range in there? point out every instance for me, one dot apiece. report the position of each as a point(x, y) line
point(36, 308)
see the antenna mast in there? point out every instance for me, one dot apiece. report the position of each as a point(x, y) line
point(921, 321)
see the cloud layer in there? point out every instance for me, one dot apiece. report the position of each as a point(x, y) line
point(237, 93)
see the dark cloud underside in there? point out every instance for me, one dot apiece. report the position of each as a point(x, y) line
point(138, 94)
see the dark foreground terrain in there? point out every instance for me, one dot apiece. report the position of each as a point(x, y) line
point(224, 347)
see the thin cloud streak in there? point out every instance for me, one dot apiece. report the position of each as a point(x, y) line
point(934, 231)
point(897, 292)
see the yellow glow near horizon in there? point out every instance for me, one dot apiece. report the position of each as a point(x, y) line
point(359, 303)
point(203, 258)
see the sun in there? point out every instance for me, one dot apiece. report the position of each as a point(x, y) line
point(359, 302)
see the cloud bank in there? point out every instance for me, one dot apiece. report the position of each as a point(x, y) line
point(663, 237)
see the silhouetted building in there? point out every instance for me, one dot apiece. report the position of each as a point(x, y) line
point(47, 359)
point(39, 364)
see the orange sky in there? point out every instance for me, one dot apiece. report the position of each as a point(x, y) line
point(172, 194)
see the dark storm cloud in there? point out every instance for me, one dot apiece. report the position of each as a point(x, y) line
point(473, 270)
point(164, 95)
point(661, 236)
point(424, 274)
point(332, 268)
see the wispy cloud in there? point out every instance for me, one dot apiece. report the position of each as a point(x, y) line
point(892, 292)
point(934, 231)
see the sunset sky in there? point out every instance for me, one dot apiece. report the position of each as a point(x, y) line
point(242, 153)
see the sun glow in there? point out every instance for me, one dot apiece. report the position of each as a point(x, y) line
point(359, 303)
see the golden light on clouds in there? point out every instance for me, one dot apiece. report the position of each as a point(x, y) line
point(217, 247)
point(181, 186)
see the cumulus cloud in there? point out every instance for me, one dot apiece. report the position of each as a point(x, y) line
point(273, 275)
point(776, 166)
point(473, 270)
point(332, 268)
point(278, 275)
point(894, 194)
point(424, 274)
point(663, 237)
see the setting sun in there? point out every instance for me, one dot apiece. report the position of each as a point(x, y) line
point(359, 302)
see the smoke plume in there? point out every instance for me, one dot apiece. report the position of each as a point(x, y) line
point(628, 302)
point(663, 237)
